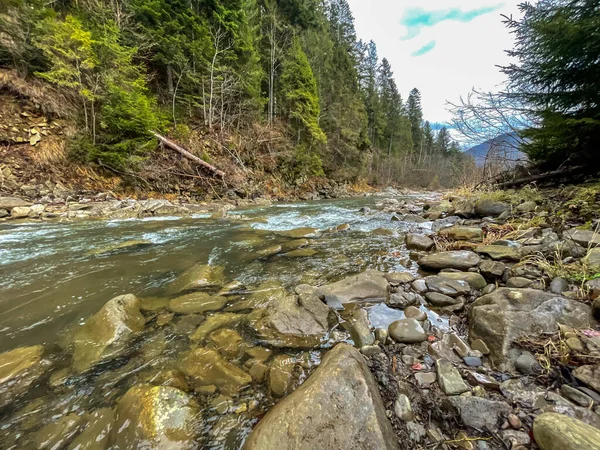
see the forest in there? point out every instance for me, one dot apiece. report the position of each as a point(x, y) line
point(279, 86)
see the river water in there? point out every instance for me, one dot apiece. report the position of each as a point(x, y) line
point(55, 275)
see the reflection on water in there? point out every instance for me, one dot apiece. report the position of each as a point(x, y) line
point(55, 275)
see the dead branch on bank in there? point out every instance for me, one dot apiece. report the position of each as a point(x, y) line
point(172, 145)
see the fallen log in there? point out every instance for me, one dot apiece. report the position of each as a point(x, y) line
point(542, 176)
point(182, 151)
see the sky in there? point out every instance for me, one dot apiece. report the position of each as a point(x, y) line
point(442, 47)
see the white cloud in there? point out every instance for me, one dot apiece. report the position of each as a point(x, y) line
point(465, 54)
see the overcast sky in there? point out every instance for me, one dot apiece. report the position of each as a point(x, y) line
point(442, 47)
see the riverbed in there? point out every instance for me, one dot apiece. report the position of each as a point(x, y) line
point(55, 275)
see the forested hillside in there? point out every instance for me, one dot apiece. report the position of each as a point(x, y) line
point(259, 86)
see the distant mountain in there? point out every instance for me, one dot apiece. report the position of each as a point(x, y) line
point(501, 150)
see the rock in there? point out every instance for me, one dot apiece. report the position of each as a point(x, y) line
point(131, 245)
point(258, 371)
point(447, 286)
point(96, 434)
point(499, 252)
point(419, 242)
point(491, 269)
point(370, 350)
point(267, 252)
point(298, 233)
point(57, 434)
point(514, 421)
point(407, 331)
point(449, 378)
point(488, 207)
point(596, 308)
point(381, 335)
point(527, 207)
point(169, 377)
point(594, 288)
point(556, 432)
point(20, 369)
point(576, 396)
point(228, 342)
point(294, 245)
point(419, 285)
point(293, 321)
point(220, 214)
point(4, 213)
point(441, 350)
point(412, 312)
point(559, 285)
point(460, 233)
point(20, 212)
point(518, 282)
point(475, 280)
point(507, 314)
point(214, 322)
point(403, 408)
point(488, 289)
point(402, 299)
point(411, 218)
point(425, 379)
point(197, 303)
point(300, 253)
point(360, 329)
point(440, 300)
point(458, 259)
point(464, 208)
point(206, 367)
point(155, 417)
point(197, 277)
point(281, 375)
point(480, 413)
point(589, 375)
point(585, 238)
point(398, 278)
point(8, 203)
point(472, 361)
point(369, 285)
point(529, 394)
point(107, 334)
point(592, 258)
point(480, 346)
point(36, 210)
point(346, 393)
point(566, 408)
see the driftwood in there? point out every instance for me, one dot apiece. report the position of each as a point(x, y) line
point(182, 151)
point(542, 176)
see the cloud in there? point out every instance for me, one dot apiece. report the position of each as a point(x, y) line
point(425, 49)
point(415, 19)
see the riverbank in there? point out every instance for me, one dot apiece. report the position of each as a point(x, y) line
point(465, 322)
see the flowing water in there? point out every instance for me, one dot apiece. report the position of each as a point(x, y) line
point(55, 275)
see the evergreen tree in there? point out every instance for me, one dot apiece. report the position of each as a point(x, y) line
point(443, 141)
point(556, 77)
point(428, 138)
point(415, 115)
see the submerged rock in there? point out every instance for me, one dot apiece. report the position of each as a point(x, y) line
point(298, 233)
point(214, 322)
point(155, 417)
point(507, 314)
point(369, 285)
point(339, 406)
point(197, 303)
point(96, 434)
point(457, 259)
point(197, 277)
point(58, 433)
point(558, 432)
point(205, 367)
point(20, 369)
point(107, 334)
point(281, 375)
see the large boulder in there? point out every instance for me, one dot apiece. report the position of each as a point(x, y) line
point(155, 417)
point(338, 407)
point(8, 203)
point(20, 369)
point(456, 259)
point(206, 367)
point(488, 207)
point(558, 432)
point(107, 334)
point(370, 285)
point(505, 315)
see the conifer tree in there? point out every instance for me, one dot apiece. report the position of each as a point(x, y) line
point(415, 115)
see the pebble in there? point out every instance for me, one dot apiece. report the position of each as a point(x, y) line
point(370, 350)
point(412, 312)
point(472, 361)
point(480, 346)
point(403, 408)
point(514, 421)
point(381, 335)
point(526, 363)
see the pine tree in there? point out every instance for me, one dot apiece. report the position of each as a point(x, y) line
point(443, 141)
point(428, 138)
point(415, 115)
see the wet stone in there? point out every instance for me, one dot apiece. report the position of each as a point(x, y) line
point(58, 433)
point(227, 341)
point(197, 303)
point(440, 300)
point(281, 375)
point(413, 312)
point(96, 434)
point(407, 331)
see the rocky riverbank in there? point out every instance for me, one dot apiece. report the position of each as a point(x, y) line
point(493, 344)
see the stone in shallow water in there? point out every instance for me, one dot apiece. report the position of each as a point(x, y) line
point(419, 242)
point(475, 280)
point(214, 322)
point(197, 303)
point(300, 253)
point(20, 369)
point(155, 417)
point(228, 342)
point(407, 331)
point(96, 434)
point(397, 278)
point(197, 277)
point(281, 375)
point(206, 367)
point(298, 233)
point(108, 333)
point(360, 329)
point(558, 432)
point(57, 434)
point(368, 285)
point(350, 412)
point(457, 259)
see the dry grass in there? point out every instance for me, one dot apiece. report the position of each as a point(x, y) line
point(51, 152)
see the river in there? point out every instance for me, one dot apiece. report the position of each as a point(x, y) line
point(54, 275)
